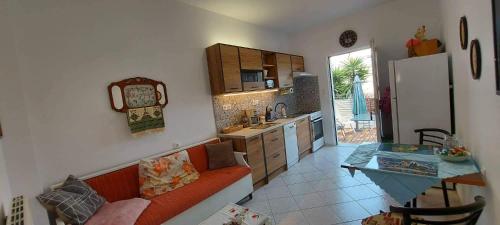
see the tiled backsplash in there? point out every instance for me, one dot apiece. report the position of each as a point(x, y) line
point(304, 99)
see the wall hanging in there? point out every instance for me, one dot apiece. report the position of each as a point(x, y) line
point(475, 59)
point(464, 33)
point(496, 23)
point(143, 100)
point(348, 38)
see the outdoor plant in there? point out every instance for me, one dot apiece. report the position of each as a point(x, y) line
point(343, 76)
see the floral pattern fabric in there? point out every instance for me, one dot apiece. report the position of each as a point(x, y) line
point(164, 174)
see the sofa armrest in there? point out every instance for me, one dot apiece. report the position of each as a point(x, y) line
point(240, 158)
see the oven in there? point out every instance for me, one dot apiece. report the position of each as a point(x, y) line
point(317, 130)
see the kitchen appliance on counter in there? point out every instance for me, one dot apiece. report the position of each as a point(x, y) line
point(253, 117)
point(291, 144)
point(253, 80)
point(317, 130)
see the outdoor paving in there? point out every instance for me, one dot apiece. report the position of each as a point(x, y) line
point(365, 135)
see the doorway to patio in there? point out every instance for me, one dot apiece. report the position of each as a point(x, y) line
point(354, 97)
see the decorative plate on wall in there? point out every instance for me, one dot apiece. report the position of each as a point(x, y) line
point(464, 33)
point(475, 59)
point(348, 38)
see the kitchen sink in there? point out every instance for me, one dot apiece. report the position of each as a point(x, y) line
point(264, 126)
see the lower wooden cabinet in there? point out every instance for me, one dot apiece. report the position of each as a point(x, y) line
point(255, 155)
point(265, 153)
point(274, 146)
point(304, 135)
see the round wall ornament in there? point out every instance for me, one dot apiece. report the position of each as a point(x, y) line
point(348, 38)
point(475, 59)
point(464, 33)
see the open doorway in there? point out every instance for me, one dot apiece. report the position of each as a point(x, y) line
point(354, 97)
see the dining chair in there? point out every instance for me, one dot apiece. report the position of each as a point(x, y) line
point(467, 214)
point(435, 136)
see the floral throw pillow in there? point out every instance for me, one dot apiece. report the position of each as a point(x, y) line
point(164, 174)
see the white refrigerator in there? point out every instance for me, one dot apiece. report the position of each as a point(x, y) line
point(420, 96)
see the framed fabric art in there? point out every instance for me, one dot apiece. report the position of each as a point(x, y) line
point(143, 100)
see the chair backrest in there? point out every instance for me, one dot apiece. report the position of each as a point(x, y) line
point(467, 214)
point(432, 136)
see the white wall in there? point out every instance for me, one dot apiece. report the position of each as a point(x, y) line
point(390, 25)
point(476, 104)
point(69, 51)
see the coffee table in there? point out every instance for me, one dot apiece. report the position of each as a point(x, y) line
point(230, 210)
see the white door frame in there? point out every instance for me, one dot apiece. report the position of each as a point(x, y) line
point(376, 94)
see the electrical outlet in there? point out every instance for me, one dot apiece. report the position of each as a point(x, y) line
point(255, 102)
point(176, 145)
point(226, 107)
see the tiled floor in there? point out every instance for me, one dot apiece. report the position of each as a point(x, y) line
point(316, 191)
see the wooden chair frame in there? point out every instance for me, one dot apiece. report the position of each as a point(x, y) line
point(473, 210)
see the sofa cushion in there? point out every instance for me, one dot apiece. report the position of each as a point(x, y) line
point(170, 204)
point(74, 202)
point(199, 157)
point(164, 174)
point(124, 212)
point(118, 185)
point(220, 155)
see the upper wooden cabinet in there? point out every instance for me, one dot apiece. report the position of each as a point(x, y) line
point(227, 62)
point(250, 59)
point(284, 65)
point(224, 69)
point(297, 63)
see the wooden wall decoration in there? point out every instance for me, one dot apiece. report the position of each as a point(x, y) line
point(143, 100)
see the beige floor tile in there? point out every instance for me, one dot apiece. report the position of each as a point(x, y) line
point(359, 192)
point(320, 216)
point(308, 201)
point(283, 205)
point(291, 218)
point(349, 211)
point(334, 196)
point(301, 188)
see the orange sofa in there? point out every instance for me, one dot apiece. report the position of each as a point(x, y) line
point(190, 204)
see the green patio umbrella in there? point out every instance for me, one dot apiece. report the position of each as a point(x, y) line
point(358, 98)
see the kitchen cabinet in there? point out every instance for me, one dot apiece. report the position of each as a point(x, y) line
point(304, 135)
point(284, 68)
point(230, 68)
point(297, 63)
point(254, 150)
point(250, 59)
point(224, 69)
point(274, 146)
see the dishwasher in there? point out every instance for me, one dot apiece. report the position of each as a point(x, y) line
point(291, 146)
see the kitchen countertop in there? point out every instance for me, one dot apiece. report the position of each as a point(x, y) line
point(248, 132)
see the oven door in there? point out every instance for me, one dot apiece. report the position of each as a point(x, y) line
point(318, 137)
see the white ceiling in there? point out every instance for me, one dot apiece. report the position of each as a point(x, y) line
point(284, 15)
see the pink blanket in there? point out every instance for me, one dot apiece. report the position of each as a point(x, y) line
point(123, 212)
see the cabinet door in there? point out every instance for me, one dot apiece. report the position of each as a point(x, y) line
point(304, 135)
point(284, 64)
point(297, 63)
point(255, 156)
point(250, 59)
point(231, 68)
point(274, 147)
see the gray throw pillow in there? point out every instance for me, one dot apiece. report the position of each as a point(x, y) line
point(75, 202)
point(220, 155)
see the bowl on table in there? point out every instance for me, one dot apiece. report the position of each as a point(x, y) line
point(457, 154)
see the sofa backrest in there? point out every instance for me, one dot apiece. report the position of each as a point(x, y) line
point(123, 183)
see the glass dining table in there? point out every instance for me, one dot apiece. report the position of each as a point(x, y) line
point(405, 171)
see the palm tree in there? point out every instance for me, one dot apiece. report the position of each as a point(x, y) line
point(343, 76)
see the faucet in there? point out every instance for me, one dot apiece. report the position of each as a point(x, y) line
point(282, 112)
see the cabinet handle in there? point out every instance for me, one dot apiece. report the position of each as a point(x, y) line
point(254, 138)
point(254, 87)
point(234, 88)
point(276, 155)
point(274, 139)
point(274, 131)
